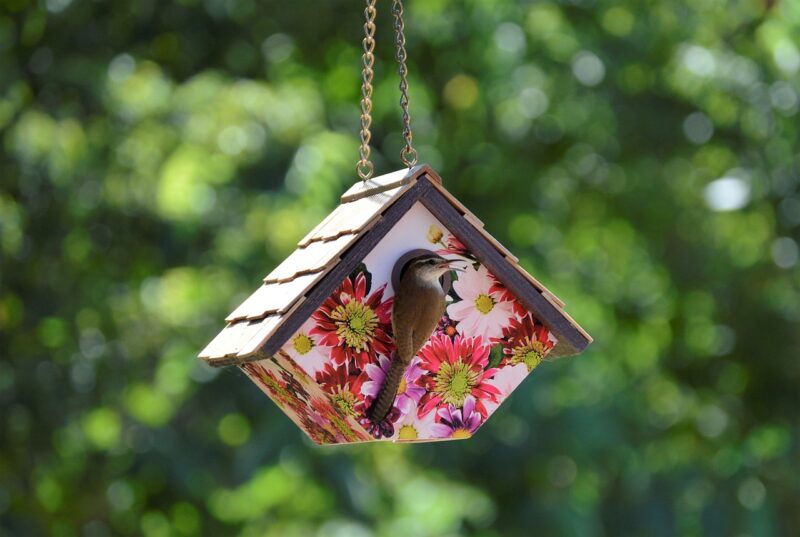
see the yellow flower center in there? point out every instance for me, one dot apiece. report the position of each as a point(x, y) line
point(454, 382)
point(355, 323)
point(346, 402)
point(302, 344)
point(461, 433)
point(529, 353)
point(407, 432)
point(484, 303)
point(402, 387)
point(434, 234)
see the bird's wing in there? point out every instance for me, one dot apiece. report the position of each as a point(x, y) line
point(426, 322)
point(403, 309)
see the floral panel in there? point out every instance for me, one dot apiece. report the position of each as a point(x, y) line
point(484, 346)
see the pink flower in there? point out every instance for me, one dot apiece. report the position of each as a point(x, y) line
point(481, 311)
point(408, 394)
point(356, 327)
point(455, 369)
point(457, 422)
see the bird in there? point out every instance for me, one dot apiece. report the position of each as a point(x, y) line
point(419, 303)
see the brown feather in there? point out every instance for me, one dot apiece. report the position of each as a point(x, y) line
point(417, 309)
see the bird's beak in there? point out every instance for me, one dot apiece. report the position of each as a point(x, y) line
point(448, 264)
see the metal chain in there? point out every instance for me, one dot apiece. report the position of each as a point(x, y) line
point(408, 154)
point(364, 168)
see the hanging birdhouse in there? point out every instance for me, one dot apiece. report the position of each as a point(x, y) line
point(398, 317)
point(317, 337)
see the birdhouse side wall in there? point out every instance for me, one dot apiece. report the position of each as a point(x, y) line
point(302, 399)
point(485, 345)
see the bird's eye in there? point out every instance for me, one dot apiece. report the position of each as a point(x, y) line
point(431, 261)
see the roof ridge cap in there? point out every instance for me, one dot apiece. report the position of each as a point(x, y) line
point(389, 181)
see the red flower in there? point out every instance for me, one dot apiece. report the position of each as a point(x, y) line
point(316, 432)
point(333, 420)
point(525, 342)
point(506, 295)
point(453, 370)
point(454, 246)
point(293, 385)
point(358, 328)
point(276, 388)
point(344, 387)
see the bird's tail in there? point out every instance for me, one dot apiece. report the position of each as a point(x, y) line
point(383, 403)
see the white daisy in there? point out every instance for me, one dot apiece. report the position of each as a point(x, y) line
point(305, 349)
point(479, 312)
point(412, 428)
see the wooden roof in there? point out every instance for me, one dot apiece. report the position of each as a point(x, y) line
point(294, 290)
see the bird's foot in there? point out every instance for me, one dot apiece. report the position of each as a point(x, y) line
point(382, 428)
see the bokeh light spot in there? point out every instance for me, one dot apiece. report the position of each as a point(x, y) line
point(727, 194)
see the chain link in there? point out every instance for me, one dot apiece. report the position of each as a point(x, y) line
point(365, 168)
point(408, 154)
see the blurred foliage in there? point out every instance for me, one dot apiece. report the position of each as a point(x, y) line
point(158, 158)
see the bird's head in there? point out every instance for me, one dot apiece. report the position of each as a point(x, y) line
point(429, 268)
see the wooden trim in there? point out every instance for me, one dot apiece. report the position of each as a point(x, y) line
point(433, 176)
point(451, 198)
point(553, 299)
point(474, 220)
point(568, 334)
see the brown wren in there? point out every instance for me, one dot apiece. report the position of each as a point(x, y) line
point(419, 303)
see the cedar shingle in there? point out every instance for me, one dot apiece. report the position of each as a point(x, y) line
point(355, 216)
point(313, 258)
point(273, 298)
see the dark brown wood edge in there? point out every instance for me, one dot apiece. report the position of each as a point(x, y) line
point(509, 276)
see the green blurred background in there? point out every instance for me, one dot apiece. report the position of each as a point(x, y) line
point(641, 158)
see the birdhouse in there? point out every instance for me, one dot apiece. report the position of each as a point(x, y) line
point(317, 338)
